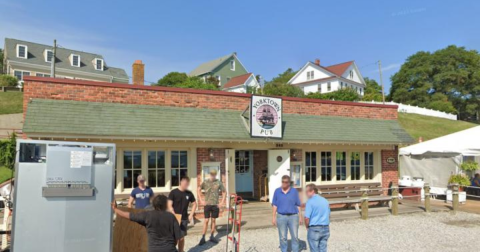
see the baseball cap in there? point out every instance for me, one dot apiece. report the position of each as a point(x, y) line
point(213, 172)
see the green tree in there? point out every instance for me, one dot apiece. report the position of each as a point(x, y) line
point(197, 83)
point(1, 61)
point(283, 78)
point(212, 81)
point(282, 89)
point(8, 81)
point(373, 91)
point(8, 151)
point(452, 71)
point(344, 94)
point(171, 79)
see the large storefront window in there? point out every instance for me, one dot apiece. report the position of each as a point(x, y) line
point(326, 166)
point(369, 165)
point(132, 167)
point(341, 165)
point(310, 166)
point(156, 168)
point(242, 162)
point(179, 166)
point(355, 165)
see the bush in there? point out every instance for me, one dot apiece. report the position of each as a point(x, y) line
point(469, 166)
point(460, 179)
point(345, 94)
point(282, 89)
point(7, 151)
point(8, 81)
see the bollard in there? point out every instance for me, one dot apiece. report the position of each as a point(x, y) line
point(395, 200)
point(455, 198)
point(426, 190)
point(365, 205)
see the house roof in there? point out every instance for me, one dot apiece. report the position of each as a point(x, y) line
point(210, 65)
point(339, 69)
point(75, 118)
point(237, 81)
point(36, 57)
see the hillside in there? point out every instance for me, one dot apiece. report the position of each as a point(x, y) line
point(11, 102)
point(430, 127)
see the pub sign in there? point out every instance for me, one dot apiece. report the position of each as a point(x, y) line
point(266, 117)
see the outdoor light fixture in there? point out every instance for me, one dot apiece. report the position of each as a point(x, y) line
point(211, 154)
point(294, 156)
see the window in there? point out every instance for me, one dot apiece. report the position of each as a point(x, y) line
point(48, 55)
point(42, 75)
point(319, 88)
point(329, 86)
point(20, 74)
point(355, 165)
point(219, 78)
point(207, 167)
point(132, 167)
point(228, 79)
point(368, 165)
point(75, 60)
point(341, 166)
point(22, 51)
point(179, 166)
point(341, 84)
point(156, 168)
point(310, 75)
point(99, 64)
point(232, 65)
point(242, 162)
point(326, 165)
point(296, 175)
point(310, 166)
point(361, 90)
point(351, 74)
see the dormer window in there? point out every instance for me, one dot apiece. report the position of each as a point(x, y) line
point(22, 51)
point(232, 65)
point(75, 60)
point(48, 55)
point(98, 64)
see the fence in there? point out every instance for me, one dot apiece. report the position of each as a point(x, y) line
point(403, 108)
point(11, 89)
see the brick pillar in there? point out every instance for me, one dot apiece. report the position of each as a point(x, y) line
point(389, 171)
point(138, 73)
point(260, 164)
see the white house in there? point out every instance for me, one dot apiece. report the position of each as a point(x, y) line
point(313, 77)
point(239, 84)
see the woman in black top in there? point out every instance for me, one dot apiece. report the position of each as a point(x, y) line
point(162, 226)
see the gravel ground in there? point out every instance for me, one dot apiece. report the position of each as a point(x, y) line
point(415, 232)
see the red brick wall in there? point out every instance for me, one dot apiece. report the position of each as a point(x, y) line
point(296, 155)
point(389, 171)
point(61, 89)
point(260, 164)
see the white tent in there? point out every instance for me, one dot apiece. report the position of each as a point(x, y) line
point(435, 160)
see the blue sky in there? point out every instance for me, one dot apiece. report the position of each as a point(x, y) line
point(269, 36)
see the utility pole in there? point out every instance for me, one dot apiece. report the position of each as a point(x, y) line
point(381, 80)
point(52, 73)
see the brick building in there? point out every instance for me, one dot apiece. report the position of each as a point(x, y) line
point(165, 133)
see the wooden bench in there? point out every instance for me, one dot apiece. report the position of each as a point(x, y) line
point(349, 194)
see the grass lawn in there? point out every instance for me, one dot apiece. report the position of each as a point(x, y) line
point(11, 102)
point(430, 127)
point(5, 174)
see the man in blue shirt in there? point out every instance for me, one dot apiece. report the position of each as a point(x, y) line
point(141, 194)
point(317, 220)
point(287, 214)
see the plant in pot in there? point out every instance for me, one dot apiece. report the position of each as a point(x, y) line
point(460, 179)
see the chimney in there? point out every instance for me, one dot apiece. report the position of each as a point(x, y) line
point(317, 62)
point(138, 73)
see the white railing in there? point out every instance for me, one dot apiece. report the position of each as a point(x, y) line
point(403, 108)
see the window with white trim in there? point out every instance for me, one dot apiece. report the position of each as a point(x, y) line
point(42, 75)
point(355, 165)
point(319, 88)
point(20, 74)
point(48, 55)
point(326, 165)
point(219, 78)
point(341, 163)
point(156, 168)
point(99, 64)
point(310, 166)
point(329, 86)
point(75, 60)
point(310, 75)
point(351, 74)
point(242, 162)
point(132, 167)
point(22, 51)
point(232, 65)
point(341, 84)
point(179, 159)
point(369, 165)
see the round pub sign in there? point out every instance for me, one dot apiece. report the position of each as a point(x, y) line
point(391, 160)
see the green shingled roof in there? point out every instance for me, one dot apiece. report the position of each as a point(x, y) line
point(58, 118)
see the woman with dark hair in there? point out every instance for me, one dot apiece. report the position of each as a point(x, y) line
point(162, 227)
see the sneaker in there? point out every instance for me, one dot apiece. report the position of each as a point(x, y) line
point(213, 239)
point(202, 241)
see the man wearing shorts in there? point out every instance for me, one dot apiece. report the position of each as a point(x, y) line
point(178, 201)
point(212, 189)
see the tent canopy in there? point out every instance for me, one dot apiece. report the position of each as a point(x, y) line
point(466, 142)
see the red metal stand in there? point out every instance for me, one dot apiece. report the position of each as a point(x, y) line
point(234, 217)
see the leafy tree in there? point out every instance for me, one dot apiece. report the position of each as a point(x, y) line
point(212, 81)
point(252, 90)
point(8, 81)
point(283, 78)
point(452, 71)
point(1, 61)
point(8, 151)
point(197, 83)
point(282, 89)
point(344, 94)
point(373, 91)
point(171, 79)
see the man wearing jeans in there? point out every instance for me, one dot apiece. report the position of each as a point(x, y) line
point(317, 220)
point(287, 214)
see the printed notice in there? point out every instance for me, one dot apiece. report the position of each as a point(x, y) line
point(80, 158)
